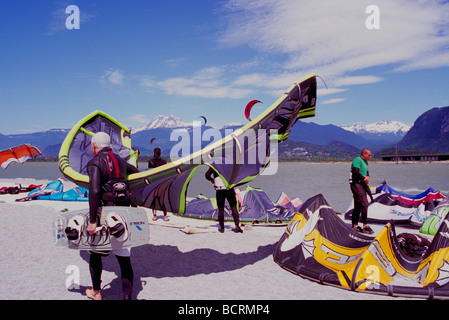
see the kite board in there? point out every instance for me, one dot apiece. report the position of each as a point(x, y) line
point(120, 227)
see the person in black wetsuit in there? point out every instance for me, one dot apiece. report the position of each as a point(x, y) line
point(157, 161)
point(107, 171)
point(223, 193)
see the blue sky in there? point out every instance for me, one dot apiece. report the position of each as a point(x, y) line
point(138, 59)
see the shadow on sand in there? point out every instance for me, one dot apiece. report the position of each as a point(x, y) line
point(161, 261)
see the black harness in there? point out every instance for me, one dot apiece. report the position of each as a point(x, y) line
point(116, 189)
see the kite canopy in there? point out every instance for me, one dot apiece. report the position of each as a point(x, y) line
point(18, 189)
point(76, 149)
point(205, 208)
point(256, 207)
point(429, 195)
point(389, 204)
point(75, 194)
point(18, 154)
point(164, 188)
point(54, 190)
point(319, 246)
point(205, 120)
point(436, 217)
point(248, 108)
point(47, 189)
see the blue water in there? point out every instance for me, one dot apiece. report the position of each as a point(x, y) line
point(302, 180)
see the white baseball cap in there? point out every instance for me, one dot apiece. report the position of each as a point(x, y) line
point(101, 139)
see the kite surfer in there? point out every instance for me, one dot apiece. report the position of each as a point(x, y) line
point(359, 182)
point(157, 161)
point(107, 187)
point(223, 193)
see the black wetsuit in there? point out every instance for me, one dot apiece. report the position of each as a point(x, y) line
point(157, 161)
point(104, 170)
point(222, 195)
point(359, 190)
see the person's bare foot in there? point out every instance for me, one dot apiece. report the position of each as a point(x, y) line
point(93, 294)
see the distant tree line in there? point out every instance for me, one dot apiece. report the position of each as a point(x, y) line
point(333, 157)
point(392, 151)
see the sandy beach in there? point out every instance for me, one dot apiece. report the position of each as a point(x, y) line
point(200, 264)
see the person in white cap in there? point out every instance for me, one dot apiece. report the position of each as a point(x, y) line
point(106, 170)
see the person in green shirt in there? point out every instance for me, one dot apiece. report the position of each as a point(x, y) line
point(359, 187)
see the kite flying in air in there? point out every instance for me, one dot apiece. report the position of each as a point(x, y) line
point(248, 108)
point(205, 120)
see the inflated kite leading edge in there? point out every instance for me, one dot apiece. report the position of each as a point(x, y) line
point(165, 187)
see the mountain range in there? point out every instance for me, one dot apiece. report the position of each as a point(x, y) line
point(307, 140)
point(391, 131)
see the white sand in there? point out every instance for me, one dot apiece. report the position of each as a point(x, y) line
point(206, 265)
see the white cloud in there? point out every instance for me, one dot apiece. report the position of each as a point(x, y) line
point(175, 61)
point(114, 77)
point(146, 82)
point(254, 79)
point(206, 83)
point(260, 80)
point(330, 37)
point(331, 101)
point(435, 61)
point(329, 91)
point(325, 37)
point(349, 81)
point(140, 118)
point(59, 16)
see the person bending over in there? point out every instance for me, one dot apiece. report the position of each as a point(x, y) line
point(223, 193)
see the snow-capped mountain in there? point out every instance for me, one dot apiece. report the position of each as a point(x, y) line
point(330, 138)
point(162, 121)
point(381, 127)
point(382, 131)
point(173, 122)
